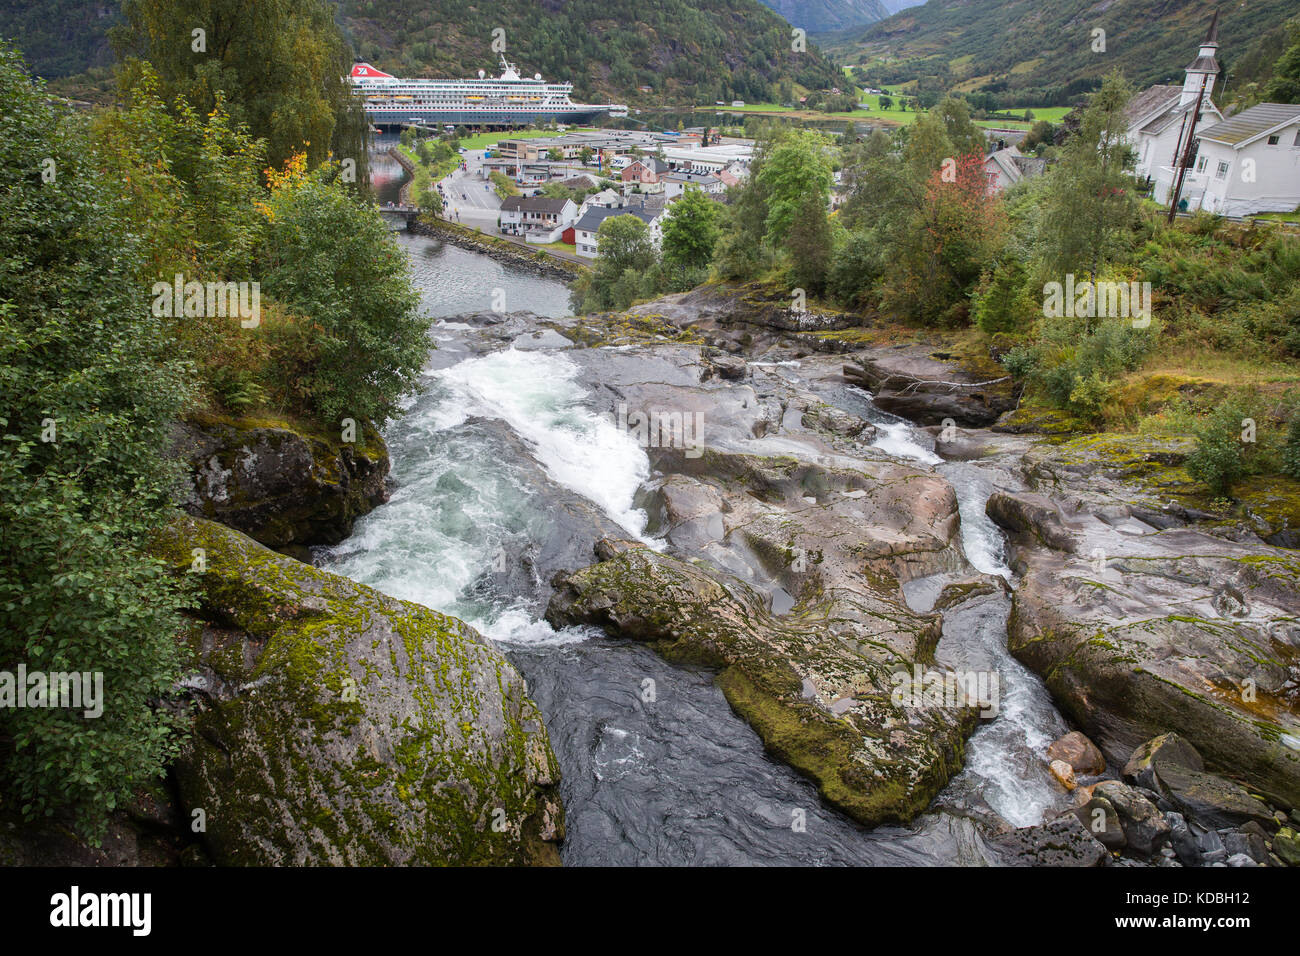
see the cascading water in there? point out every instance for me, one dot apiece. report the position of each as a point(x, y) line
point(500, 465)
point(1004, 766)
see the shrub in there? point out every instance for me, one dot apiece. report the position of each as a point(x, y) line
point(90, 382)
point(1221, 457)
point(1002, 302)
point(1074, 369)
point(330, 257)
point(1291, 448)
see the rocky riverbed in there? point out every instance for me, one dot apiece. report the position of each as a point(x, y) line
point(761, 617)
point(723, 487)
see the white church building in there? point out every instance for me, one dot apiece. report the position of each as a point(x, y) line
point(1238, 166)
point(1159, 118)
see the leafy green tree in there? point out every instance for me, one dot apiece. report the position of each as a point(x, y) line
point(1003, 302)
point(741, 251)
point(796, 178)
point(280, 63)
point(808, 246)
point(193, 181)
point(625, 267)
point(1089, 197)
point(429, 199)
point(942, 248)
point(881, 190)
point(943, 133)
point(329, 256)
point(690, 231)
point(624, 243)
point(857, 263)
point(1284, 87)
point(90, 383)
point(1040, 133)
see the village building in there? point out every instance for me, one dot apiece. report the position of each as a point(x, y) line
point(537, 218)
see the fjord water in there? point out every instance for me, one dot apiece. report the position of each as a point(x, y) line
point(494, 463)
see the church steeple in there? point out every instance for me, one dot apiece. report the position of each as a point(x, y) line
point(1205, 67)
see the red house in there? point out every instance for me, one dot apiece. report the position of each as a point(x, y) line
point(645, 171)
point(568, 236)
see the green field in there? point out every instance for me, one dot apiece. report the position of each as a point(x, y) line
point(484, 140)
point(893, 116)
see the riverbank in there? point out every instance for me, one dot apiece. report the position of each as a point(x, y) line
point(539, 261)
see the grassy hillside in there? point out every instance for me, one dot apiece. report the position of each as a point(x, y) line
point(820, 16)
point(703, 50)
point(1029, 52)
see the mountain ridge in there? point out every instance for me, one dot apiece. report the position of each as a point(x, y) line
point(825, 16)
point(1030, 52)
point(672, 52)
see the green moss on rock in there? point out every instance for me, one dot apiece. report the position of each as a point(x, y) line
point(362, 730)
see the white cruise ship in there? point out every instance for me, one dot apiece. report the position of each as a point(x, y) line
point(507, 100)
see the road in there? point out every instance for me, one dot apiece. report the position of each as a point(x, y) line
point(480, 205)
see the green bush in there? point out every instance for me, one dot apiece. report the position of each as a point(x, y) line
point(1002, 302)
point(1291, 449)
point(1221, 457)
point(1075, 369)
point(857, 265)
point(90, 383)
point(330, 257)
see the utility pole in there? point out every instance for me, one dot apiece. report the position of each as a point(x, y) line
point(1182, 159)
point(1208, 67)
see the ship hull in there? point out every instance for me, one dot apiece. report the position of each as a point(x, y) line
point(382, 116)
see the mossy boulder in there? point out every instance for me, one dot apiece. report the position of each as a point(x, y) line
point(820, 698)
point(1028, 419)
point(1142, 634)
point(337, 725)
point(281, 483)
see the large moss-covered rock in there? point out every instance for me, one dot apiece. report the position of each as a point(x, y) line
point(813, 684)
point(280, 483)
point(336, 725)
point(1143, 632)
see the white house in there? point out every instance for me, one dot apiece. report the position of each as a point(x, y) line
point(1006, 167)
point(584, 231)
point(675, 184)
point(1159, 117)
point(537, 218)
point(1249, 163)
point(605, 199)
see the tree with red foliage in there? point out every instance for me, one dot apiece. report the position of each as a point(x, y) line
point(957, 228)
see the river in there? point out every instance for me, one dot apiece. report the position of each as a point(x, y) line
point(499, 461)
